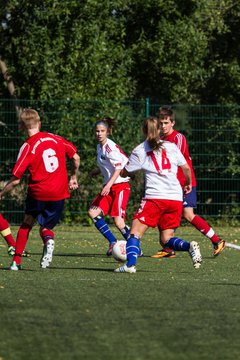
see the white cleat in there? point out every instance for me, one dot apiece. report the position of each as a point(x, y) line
point(195, 254)
point(126, 269)
point(47, 254)
point(15, 267)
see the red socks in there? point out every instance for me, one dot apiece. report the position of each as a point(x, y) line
point(22, 238)
point(201, 225)
point(6, 232)
point(46, 234)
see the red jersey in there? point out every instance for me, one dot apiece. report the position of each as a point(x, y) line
point(181, 142)
point(44, 155)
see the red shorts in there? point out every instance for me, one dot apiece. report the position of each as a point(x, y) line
point(115, 203)
point(166, 214)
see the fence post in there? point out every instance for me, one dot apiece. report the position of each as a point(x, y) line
point(147, 107)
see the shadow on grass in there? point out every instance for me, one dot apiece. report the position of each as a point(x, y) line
point(7, 269)
point(78, 268)
point(73, 255)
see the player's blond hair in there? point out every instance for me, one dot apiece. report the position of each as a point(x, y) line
point(151, 131)
point(29, 118)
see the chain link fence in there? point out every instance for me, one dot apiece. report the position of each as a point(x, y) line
point(212, 131)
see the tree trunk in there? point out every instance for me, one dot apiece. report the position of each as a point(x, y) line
point(9, 83)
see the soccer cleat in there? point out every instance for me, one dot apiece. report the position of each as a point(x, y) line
point(111, 245)
point(11, 252)
point(48, 249)
point(164, 254)
point(195, 254)
point(126, 269)
point(26, 253)
point(15, 267)
point(219, 247)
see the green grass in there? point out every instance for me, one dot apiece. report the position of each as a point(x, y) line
point(80, 309)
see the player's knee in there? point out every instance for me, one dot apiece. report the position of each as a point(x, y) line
point(119, 222)
point(188, 214)
point(93, 212)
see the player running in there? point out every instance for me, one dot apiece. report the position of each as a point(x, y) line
point(113, 197)
point(162, 204)
point(167, 122)
point(44, 155)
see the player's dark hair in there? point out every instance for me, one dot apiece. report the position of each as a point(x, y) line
point(166, 111)
point(107, 122)
point(151, 131)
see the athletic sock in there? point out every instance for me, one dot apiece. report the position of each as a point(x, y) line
point(6, 231)
point(22, 238)
point(102, 226)
point(178, 244)
point(46, 234)
point(125, 231)
point(201, 225)
point(133, 250)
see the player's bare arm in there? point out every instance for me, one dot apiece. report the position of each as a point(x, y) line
point(73, 183)
point(14, 181)
point(187, 173)
point(106, 189)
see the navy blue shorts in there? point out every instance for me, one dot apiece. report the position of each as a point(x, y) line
point(47, 213)
point(190, 200)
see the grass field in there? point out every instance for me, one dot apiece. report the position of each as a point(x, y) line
point(80, 309)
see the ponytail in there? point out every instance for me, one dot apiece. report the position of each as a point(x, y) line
point(151, 131)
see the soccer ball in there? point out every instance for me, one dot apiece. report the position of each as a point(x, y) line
point(119, 251)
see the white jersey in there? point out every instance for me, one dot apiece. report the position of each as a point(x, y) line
point(110, 158)
point(160, 169)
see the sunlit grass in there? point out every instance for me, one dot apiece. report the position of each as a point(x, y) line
point(80, 309)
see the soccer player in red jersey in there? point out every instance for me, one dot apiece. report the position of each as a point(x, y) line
point(161, 205)
point(167, 122)
point(113, 197)
point(44, 156)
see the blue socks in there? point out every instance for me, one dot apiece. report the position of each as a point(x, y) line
point(177, 244)
point(102, 226)
point(125, 232)
point(133, 250)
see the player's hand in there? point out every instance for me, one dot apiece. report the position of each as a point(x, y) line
point(187, 189)
point(73, 184)
point(106, 190)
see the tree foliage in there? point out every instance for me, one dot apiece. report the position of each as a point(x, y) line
point(168, 50)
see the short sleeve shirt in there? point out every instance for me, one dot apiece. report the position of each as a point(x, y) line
point(160, 169)
point(110, 157)
point(44, 156)
point(181, 142)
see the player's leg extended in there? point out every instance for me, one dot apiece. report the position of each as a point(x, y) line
point(178, 244)
point(21, 241)
point(101, 205)
point(48, 219)
point(189, 203)
point(133, 247)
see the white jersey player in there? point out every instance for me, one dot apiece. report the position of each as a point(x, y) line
point(162, 204)
point(110, 158)
point(160, 169)
point(113, 197)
